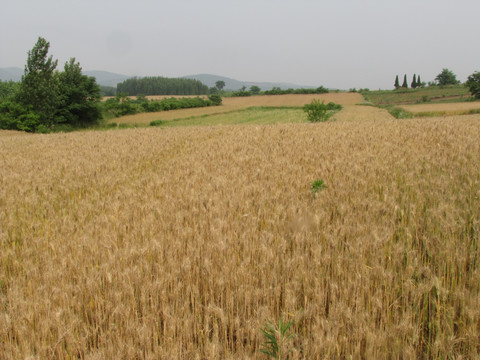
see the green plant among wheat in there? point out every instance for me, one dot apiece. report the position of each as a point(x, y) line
point(277, 343)
point(317, 186)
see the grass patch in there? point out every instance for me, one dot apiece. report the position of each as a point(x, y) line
point(434, 94)
point(399, 113)
point(260, 115)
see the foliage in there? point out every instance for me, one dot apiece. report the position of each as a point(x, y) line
point(473, 84)
point(16, 116)
point(122, 105)
point(277, 342)
point(418, 95)
point(446, 77)
point(108, 90)
point(397, 83)
point(399, 113)
point(8, 89)
point(279, 91)
point(220, 84)
point(158, 85)
point(405, 84)
point(317, 186)
point(215, 99)
point(318, 112)
point(414, 82)
point(79, 97)
point(241, 93)
point(48, 100)
point(39, 88)
point(255, 90)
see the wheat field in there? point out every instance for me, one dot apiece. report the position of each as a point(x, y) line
point(181, 243)
point(447, 108)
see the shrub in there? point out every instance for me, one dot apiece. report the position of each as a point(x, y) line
point(215, 99)
point(473, 84)
point(318, 112)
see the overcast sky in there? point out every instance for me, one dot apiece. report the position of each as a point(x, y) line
point(337, 44)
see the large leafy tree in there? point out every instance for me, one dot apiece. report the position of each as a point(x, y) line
point(473, 84)
point(446, 77)
point(39, 87)
point(79, 97)
point(220, 84)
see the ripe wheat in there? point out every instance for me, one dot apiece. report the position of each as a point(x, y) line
point(181, 243)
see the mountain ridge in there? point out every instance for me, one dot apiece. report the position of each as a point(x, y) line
point(107, 78)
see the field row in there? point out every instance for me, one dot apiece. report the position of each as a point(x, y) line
point(233, 104)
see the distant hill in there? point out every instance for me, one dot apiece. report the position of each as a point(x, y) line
point(232, 84)
point(106, 78)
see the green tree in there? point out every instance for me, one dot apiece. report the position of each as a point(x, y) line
point(79, 97)
point(220, 84)
point(473, 84)
point(255, 90)
point(405, 85)
point(39, 87)
point(8, 89)
point(414, 82)
point(397, 83)
point(419, 82)
point(446, 77)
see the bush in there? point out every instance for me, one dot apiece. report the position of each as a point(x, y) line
point(318, 112)
point(215, 99)
point(473, 84)
point(15, 116)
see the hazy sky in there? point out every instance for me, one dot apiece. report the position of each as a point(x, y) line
point(337, 44)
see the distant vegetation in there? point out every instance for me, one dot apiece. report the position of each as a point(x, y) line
point(416, 96)
point(162, 86)
point(122, 105)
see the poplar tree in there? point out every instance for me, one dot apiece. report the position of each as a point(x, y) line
point(405, 85)
point(397, 83)
point(414, 81)
point(39, 86)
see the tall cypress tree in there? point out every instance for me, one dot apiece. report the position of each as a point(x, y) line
point(414, 81)
point(419, 82)
point(405, 85)
point(397, 83)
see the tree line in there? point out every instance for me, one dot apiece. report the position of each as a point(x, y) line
point(445, 77)
point(158, 85)
point(121, 104)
